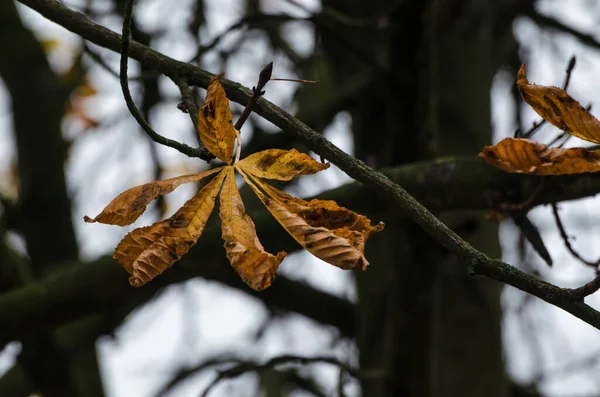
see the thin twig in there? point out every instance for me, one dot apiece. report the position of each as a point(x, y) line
point(565, 237)
point(102, 63)
point(242, 23)
point(133, 109)
point(244, 367)
point(588, 288)
point(190, 106)
point(257, 92)
point(185, 373)
point(188, 100)
point(569, 71)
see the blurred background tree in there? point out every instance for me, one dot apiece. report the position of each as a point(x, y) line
point(401, 82)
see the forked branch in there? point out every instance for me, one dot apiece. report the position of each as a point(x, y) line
point(477, 262)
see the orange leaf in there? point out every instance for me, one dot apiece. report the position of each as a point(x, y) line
point(559, 109)
point(215, 123)
point(328, 231)
point(280, 164)
point(129, 205)
point(526, 156)
point(245, 253)
point(148, 251)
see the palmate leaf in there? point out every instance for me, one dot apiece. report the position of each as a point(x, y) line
point(529, 157)
point(332, 233)
point(245, 253)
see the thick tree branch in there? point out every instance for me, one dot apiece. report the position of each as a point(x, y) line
point(101, 286)
point(453, 184)
point(477, 262)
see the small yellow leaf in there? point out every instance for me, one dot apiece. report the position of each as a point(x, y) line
point(50, 44)
point(148, 251)
point(280, 164)
point(555, 106)
point(215, 122)
point(328, 231)
point(526, 156)
point(129, 205)
point(245, 253)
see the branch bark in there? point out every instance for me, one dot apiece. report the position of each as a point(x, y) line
point(101, 286)
point(477, 262)
point(82, 289)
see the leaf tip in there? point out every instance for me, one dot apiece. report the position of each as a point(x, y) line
point(135, 281)
point(365, 265)
point(522, 75)
point(87, 219)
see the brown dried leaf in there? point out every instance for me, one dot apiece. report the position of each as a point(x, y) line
point(245, 253)
point(215, 123)
point(328, 231)
point(129, 205)
point(554, 105)
point(148, 251)
point(280, 164)
point(526, 156)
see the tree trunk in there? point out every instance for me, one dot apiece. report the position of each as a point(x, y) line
point(38, 103)
point(420, 314)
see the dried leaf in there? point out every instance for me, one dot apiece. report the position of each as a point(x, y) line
point(554, 105)
point(245, 253)
point(215, 123)
point(148, 251)
point(280, 164)
point(328, 231)
point(332, 233)
point(526, 156)
point(129, 205)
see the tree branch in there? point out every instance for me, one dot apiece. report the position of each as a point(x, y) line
point(477, 262)
point(452, 184)
point(565, 237)
point(133, 109)
point(549, 22)
point(243, 367)
point(101, 286)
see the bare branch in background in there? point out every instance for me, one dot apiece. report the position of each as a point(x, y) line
point(246, 366)
point(565, 237)
point(552, 23)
